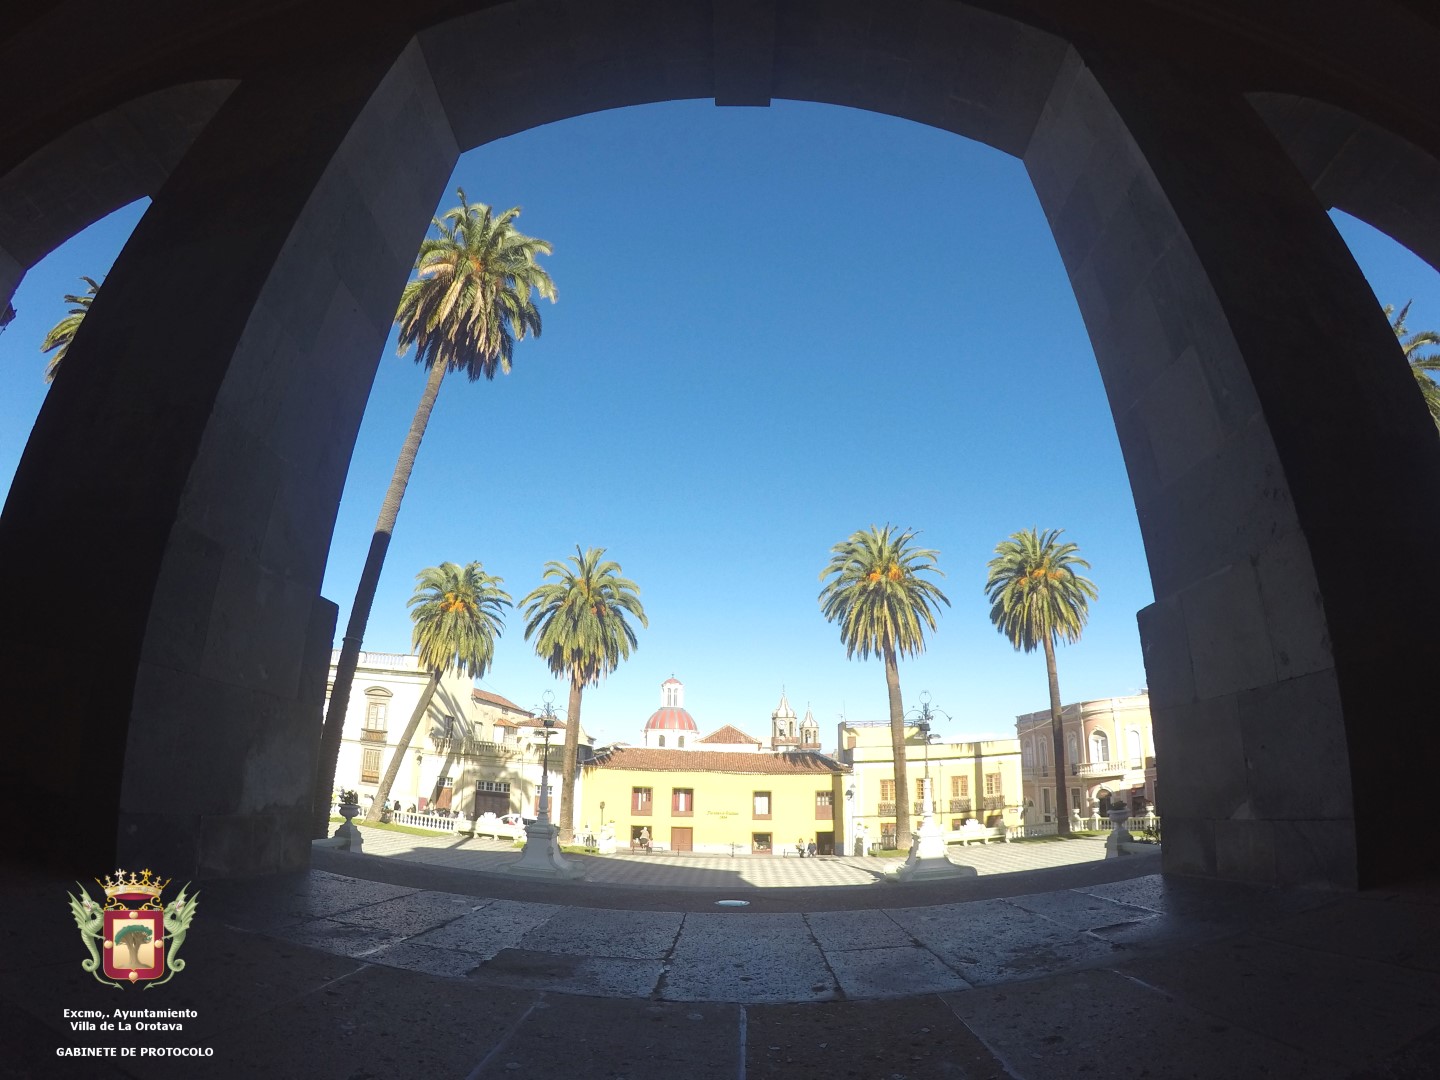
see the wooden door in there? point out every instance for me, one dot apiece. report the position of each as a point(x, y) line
point(682, 839)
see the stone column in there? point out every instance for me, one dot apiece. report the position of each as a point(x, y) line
point(168, 526)
point(1275, 446)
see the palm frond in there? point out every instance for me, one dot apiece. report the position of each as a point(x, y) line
point(1034, 590)
point(470, 298)
point(457, 615)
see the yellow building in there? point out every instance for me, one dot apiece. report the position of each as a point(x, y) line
point(969, 780)
point(716, 802)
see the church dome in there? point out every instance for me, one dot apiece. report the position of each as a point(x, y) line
point(671, 718)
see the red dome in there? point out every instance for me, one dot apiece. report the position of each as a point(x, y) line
point(671, 718)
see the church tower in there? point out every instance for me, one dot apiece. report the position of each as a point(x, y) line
point(783, 733)
point(809, 731)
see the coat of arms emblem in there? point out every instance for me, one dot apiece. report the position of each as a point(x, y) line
point(133, 937)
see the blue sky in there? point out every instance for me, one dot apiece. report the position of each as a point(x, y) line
point(775, 326)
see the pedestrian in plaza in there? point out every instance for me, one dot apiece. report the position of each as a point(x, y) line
point(811, 849)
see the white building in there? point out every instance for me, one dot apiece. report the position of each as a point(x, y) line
point(474, 751)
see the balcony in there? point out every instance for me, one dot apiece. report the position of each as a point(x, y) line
point(1098, 768)
point(993, 802)
point(959, 806)
point(886, 809)
point(481, 748)
point(371, 735)
point(1035, 770)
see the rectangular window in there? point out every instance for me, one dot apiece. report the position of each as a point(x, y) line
point(640, 800)
point(887, 790)
point(375, 716)
point(501, 786)
point(824, 806)
point(960, 787)
point(992, 783)
point(1045, 801)
point(370, 766)
point(760, 843)
point(761, 803)
point(919, 789)
point(887, 835)
point(1075, 797)
point(682, 802)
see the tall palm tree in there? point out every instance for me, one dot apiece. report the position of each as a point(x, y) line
point(456, 612)
point(1035, 598)
point(883, 605)
point(63, 332)
point(1421, 363)
point(471, 300)
point(580, 611)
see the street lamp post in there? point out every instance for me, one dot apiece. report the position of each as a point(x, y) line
point(547, 720)
point(928, 857)
point(541, 857)
point(924, 722)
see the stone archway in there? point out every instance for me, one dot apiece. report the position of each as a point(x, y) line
point(1263, 458)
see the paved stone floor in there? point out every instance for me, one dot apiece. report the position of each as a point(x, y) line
point(373, 967)
point(716, 871)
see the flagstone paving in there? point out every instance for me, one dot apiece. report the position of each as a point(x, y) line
point(708, 871)
point(369, 968)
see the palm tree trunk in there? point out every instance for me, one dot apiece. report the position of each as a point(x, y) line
point(388, 780)
point(572, 752)
point(1062, 773)
point(365, 597)
point(897, 744)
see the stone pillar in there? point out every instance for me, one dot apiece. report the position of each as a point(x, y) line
point(168, 526)
point(1275, 446)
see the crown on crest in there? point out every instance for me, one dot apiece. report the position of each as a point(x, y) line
point(123, 884)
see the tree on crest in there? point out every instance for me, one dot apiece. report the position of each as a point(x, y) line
point(1036, 597)
point(883, 605)
point(470, 301)
point(578, 618)
point(1421, 363)
point(456, 612)
point(63, 332)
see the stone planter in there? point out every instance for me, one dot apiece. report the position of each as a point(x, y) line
point(347, 832)
point(1118, 817)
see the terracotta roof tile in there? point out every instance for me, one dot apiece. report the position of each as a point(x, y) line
point(729, 734)
point(647, 759)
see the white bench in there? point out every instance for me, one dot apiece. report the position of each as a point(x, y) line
point(490, 825)
point(972, 832)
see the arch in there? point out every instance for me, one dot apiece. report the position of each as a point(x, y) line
point(660, 741)
point(97, 166)
point(1358, 166)
point(1199, 260)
